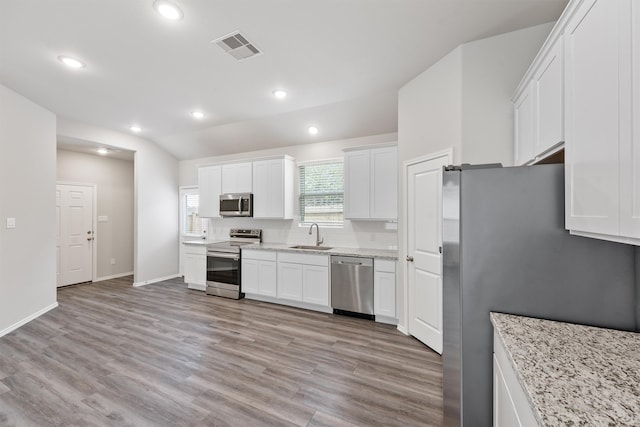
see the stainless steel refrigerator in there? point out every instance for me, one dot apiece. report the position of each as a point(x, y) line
point(505, 249)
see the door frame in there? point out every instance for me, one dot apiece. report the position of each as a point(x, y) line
point(94, 223)
point(448, 153)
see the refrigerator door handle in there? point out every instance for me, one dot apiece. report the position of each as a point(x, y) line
point(409, 258)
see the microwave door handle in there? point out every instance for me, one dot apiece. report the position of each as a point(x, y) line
point(239, 204)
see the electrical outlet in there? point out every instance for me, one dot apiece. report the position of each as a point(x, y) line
point(113, 261)
point(11, 223)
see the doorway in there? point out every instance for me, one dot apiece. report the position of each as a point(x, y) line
point(75, 236)
point(423, 216)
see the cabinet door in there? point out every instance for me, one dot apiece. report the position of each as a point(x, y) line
point(250, 276)
point(356, 184)
point(549, 94)
point(290, 281)
point(268, 284)
point(504, 410)
point(592, 118)
point(229, 179)
point(523, 122)
point(630, 144)
point(195, 269)
point(209, 189)
point(261, 189)
point(315, 284)
point(384, 296)
point(384, 183)
point(275, 179)
point(244, 179)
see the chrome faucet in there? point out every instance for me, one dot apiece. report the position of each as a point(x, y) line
point(318, 239)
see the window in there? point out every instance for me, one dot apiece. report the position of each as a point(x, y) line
point(192, 224)
point(322, 192)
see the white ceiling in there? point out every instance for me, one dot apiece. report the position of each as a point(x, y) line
point(342, 62)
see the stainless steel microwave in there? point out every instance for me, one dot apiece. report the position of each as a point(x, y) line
point(236, 204)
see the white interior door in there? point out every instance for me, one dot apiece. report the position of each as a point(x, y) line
point(424, 242)
point(74, 206)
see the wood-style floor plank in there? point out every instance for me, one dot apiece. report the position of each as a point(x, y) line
point(164, 355)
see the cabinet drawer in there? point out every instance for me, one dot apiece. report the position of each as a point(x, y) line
point(195, 249)
point(383, 265)
point(259, 255)
point(308, 259)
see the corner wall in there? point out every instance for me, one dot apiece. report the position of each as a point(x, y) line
point(27, 193)
point(156, 199)
point(462, 102)
point(114, 182)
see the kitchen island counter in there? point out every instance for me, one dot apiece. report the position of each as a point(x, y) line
point(574, 374)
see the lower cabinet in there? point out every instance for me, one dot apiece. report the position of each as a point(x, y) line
point(304, 278)
point(510, 404)
point(384, 288)
point(195, 266)
point(258, 274)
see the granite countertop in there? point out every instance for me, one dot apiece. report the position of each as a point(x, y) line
point(574, 374)
point(363, 252)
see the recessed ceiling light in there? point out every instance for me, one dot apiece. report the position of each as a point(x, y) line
point(103, 151)
point(197, 115)
point(71, 62)
point(135, 128)
point(280, 94)
point(313, 130)
point(168, 9)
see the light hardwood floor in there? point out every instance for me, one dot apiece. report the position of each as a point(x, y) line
point(163, 355)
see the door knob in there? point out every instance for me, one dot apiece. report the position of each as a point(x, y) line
point(409, 258)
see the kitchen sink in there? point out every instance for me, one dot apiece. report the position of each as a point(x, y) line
point(311, 247)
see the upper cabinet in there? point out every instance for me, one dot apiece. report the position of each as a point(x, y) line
point(209, 190)
point(273, 188)
point(596, 45)
point(371, 183)
point(602, 177)
point(538, 106)
point(237, 178)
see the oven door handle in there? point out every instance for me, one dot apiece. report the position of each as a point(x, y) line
point(234, 257)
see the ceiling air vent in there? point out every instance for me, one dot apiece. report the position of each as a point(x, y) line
point(236, 45)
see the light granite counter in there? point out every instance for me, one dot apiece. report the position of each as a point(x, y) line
point(574, 374)
point(362, 252)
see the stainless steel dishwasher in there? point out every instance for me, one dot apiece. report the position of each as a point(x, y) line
point(352, 286)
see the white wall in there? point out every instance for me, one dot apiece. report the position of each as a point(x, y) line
point(156, 199)
point(370, 234)
point(114, 194)
point(463, 102)
point(27, 193)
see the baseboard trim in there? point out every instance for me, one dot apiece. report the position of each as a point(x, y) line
point(386, 319)
point(113, 276)
point(297, 304)
point(403, 329)
point(159, 279)
point(27, 319)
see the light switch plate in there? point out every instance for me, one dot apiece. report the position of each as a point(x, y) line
point(11, 223)
point(103, 218)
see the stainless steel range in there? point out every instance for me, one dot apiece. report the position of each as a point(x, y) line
point(223, 263)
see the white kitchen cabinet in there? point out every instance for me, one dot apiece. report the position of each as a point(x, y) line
point(315, 284)
point(601, 154)
point(548, 95)
point(258, 275)
point(209, 190)
point(384, 288)
point(510, 405)
point(303, 277)
point(290, 281)
point(370, 183)
point(195, 266)
point(523, 125)
point(273, 188)
point(237, 178)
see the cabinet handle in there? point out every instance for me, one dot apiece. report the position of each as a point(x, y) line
point(409, 258)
